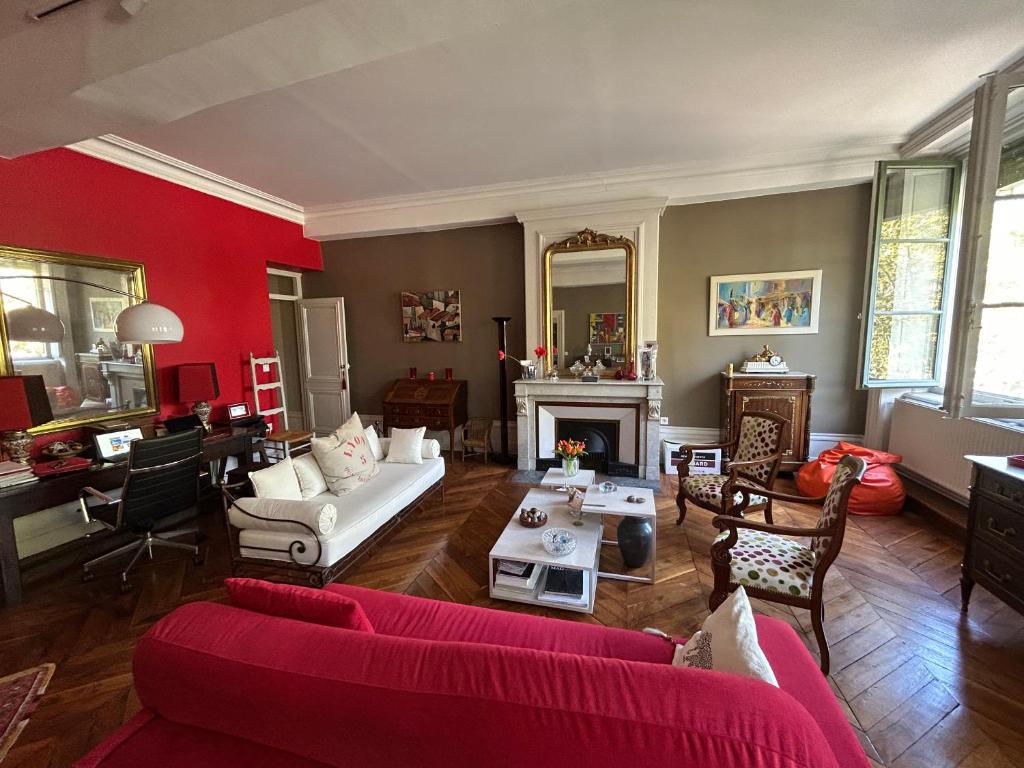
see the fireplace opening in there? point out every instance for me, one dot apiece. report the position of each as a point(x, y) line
point(601, 437)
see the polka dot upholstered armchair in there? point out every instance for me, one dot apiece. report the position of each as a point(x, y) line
point(769, 561)
point(755, 456)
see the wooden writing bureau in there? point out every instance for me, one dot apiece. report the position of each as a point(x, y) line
point(438, 405)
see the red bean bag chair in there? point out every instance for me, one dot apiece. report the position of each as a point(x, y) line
point(879, 493)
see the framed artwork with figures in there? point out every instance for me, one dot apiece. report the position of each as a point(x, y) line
point(104, 311)
point(765, 303)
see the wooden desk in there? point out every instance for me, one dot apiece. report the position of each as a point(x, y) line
point(61, 489)
point(438, 405)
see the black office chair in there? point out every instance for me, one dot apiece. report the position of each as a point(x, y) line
point(162, 480)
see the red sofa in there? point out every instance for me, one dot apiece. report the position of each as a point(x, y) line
point(441, 684)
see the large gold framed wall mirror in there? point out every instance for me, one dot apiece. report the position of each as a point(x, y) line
point(589, 303)
point(66, 318)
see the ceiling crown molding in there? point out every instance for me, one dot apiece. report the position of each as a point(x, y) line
point(676, 184)
point(128, 154)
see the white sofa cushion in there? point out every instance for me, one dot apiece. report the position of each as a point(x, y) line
point(360, 513)
point(406, 446)
point(374, 440)
point(278, 481)
point(431, 448)
point(311, 479)
point(345, 458)
point(319, 514)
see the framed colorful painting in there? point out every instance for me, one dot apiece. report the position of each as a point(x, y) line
point(431, 316)
point(765, 303)
point(607, 327)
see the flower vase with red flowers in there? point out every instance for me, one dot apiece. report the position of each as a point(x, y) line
point(570, 451)
point(529, 367)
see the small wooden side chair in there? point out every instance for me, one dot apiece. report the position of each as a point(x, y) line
point(286, 443)
point(476, 434)
point(756, 454)
point(769, 565)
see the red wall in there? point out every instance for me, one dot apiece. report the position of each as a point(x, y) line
point(205, 258)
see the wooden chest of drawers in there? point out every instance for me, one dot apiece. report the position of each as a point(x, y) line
point(787, 394)
point(994, 555)
point(438, 405)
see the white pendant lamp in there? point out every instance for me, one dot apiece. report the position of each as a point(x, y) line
point(33, 324)
point(148, 323)
point(142, 323)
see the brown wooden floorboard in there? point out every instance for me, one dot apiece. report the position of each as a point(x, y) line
point(921, 684)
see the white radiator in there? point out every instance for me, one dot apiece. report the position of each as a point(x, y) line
point(933, 447)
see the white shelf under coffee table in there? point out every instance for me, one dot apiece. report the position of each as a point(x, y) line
point(614, 503)
point(518, 542)
point(556, 478)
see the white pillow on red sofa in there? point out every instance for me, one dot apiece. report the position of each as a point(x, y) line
point(727, 642)
point(345, 457)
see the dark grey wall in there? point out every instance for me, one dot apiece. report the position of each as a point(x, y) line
point(485, 263)
point(824, 229)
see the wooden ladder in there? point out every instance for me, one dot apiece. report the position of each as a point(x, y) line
point(283, 442)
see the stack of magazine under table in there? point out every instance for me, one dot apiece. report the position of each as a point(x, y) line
point(565, 585)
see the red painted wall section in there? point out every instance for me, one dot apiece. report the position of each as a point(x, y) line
point(205, 258)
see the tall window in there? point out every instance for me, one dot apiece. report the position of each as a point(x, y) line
point(20, 293)
point(986, 373)
point(914, 221)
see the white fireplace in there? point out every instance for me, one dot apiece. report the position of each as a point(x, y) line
point(633, 406)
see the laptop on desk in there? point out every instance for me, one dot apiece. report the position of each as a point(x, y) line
point(115, 446)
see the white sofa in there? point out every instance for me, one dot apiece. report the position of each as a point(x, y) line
point(361, 516)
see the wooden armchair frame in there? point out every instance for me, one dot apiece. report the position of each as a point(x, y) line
point(721, 557)
point(735, 472)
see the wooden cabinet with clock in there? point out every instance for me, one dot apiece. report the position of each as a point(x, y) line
point(787, 394)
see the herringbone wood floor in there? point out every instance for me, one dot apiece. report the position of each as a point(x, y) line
point(922, 685)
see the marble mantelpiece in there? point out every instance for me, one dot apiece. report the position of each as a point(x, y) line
point(537, 399)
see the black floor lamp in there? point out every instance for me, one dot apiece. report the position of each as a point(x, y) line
point(503, 457)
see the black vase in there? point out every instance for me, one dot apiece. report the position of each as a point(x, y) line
point(635, 535)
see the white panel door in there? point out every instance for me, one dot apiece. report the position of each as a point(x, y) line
point(325, 368)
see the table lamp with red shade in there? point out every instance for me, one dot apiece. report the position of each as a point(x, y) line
point(23, 404)
point(197, 383)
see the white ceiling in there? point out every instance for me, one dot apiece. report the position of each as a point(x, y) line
point(338, 101)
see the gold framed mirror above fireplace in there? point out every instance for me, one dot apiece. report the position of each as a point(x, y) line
point(589, 286)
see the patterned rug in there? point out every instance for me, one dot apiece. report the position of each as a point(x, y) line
point(19, 694)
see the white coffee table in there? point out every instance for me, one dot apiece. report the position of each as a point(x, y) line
point(597, 503)
point(524, 544)
point(556, 477)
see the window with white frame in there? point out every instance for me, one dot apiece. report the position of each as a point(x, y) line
point(986, 367)
point(911, 268)
point(21, 293)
